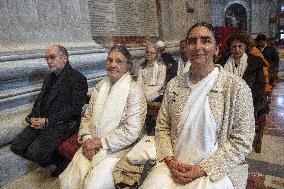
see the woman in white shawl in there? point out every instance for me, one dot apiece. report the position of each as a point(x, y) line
point(205, 126)
point(248, 67)
point(112, 123)
point(152, 75)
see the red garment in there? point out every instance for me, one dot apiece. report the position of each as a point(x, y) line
point(69, 147)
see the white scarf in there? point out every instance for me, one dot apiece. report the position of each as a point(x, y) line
point(240, 69)
point(154, 77)
point(183, 67)
point(108, 109)
point(196, 131)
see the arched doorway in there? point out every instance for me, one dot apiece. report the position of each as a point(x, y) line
point(236, 15)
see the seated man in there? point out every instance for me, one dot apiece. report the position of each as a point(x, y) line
point(56, 112)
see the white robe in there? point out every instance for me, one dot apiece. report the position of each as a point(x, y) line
point(195, 141)
point(108, 110)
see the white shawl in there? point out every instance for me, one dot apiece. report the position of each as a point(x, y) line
point(196, 132)
point(154, 76)
point(107, 112)
point(108, 109)
point(240, 69)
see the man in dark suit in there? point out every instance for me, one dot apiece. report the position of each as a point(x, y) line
point(270, 54)
point(56, 112)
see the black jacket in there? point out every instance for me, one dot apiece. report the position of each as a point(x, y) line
point(171, 64)
point(271, 55)
point(65, 98)
point(253, 76)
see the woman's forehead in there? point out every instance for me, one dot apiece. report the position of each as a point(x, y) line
point(200, 31)
point(116, 54)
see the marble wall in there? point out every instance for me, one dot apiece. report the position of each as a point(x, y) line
point(123, 18)
point(34, 24)
point(179, 16)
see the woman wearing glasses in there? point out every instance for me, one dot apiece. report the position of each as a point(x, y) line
point(205, 126)
point(112, 123)
point(248, 67)
point(152, 75)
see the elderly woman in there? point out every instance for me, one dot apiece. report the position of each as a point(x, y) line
point(205, 126)
point(248, 67)
point(112, 123)
point(152, 75)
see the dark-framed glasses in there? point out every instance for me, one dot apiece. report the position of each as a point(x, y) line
point(50, 57)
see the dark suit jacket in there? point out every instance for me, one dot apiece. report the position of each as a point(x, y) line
point(65, 100)
point(172, 70)
point(253, 76)
point(271, 55)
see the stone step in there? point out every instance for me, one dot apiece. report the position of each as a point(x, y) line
point(12, 166)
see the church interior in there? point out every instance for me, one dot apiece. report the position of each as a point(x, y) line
point(88, 28)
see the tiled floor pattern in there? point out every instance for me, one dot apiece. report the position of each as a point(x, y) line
point(267, 168)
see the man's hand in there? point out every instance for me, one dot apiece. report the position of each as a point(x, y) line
point(37, 122)
point(91, 146)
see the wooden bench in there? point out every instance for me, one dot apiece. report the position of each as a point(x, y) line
point(153, 108)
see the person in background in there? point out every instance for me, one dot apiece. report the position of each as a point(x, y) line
point(168, 60)
point(56, 113)
point(248, 67)
point(257, 52)
point(271, 55)
point(152, 75)
point(183, 63)
point(112, 123)
point(205, 126)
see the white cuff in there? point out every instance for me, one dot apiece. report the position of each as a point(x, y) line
point(104, 143)
point(84, 137)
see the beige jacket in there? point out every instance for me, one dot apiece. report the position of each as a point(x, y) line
point(152, 91)
point(232, 106)
point(130, 125)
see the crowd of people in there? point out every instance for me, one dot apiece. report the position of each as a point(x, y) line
point(204, 130)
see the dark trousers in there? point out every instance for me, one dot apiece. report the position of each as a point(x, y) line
point(41, 145)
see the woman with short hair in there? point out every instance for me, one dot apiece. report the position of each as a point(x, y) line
point(152, 75)
point(249, 67)
point(112, 123)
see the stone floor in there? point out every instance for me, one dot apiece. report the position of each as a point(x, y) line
point(266, 168)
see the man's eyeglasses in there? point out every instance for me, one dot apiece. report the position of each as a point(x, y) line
point(51, 57)
point(150, 52)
